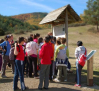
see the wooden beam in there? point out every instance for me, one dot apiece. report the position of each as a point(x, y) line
point(71, 16)
point(90, 72)
point(66, 27)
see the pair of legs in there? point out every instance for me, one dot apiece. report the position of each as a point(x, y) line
point(26, 65)
point(6, 60)
point(78, 73)
point(0, 61)
point(51, 71)
point(19, 72)
point(44, 76)
point(59, 74)
point(33, 66)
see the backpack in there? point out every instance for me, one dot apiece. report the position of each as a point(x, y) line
point(5, 48)
point(83, 58)
point(29, 48)
point(62, 53)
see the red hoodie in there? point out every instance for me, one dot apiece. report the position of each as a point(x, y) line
point(46, 53)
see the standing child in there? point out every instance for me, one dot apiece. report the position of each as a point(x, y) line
point(19, 66)
point(80, 50)
point(46, 53)
point(61, 56)
point(40, 44)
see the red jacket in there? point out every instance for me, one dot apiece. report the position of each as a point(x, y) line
point(46, 53)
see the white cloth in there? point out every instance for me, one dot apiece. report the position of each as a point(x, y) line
point(34, 46)
point(79, 51)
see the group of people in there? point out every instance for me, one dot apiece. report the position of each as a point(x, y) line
point(46, 59)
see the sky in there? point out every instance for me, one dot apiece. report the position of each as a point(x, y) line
point(16, 7)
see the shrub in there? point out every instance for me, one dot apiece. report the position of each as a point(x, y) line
point(19, 32)
point(2, 32)
point(92, 29)
point(76, 24)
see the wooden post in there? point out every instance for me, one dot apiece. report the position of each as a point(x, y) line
point(52, 28)
point(66, 28)
point(90, 72)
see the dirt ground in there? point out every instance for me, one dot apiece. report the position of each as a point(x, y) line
point(6, 84)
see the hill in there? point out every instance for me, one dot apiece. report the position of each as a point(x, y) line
point(32, 18)
point(10, 25)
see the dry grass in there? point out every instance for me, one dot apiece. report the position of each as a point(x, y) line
point(90, 41)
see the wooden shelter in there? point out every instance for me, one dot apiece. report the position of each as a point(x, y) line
point(63, 15)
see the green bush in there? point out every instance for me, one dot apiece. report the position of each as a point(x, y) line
point(2, 32)
point(19, 32)
point(92, 29)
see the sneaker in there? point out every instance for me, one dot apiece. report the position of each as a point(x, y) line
point(45, 88)
point(76, 85)
point(3, 76)
point(65, 80)
point(39, 88)
point(37, 77)
point(56, 80)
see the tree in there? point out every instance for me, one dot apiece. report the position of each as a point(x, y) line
point(92, 13)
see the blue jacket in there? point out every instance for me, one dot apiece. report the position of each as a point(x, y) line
point(6, 43)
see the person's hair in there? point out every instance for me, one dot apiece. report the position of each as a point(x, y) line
point(25, 40)
point(47, 39)
point(59, 38)
point(37, 35)
point(1, 40)
point(31, 35)
point(7, 37)
point(54, 38)
point(30, 39)
point(50, 33)
point(58, 42)
point(79, 43)
point(20, 39)
point(40, 40)
point(63, 40)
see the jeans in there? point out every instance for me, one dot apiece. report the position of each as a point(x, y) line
point(78, 73)
point(19, 72)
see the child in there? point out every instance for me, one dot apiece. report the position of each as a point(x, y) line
point(78, 52)
point(40, 44)
point(58, 42)
point(36, 36)
point(62, 56)
point(51, 67)
point(33, 47)
point(19, 66)
point(46, 53)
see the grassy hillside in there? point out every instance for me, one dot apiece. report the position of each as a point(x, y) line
point(32, 18)
point(11, 25)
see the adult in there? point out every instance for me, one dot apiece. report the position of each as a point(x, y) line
point(6, 50)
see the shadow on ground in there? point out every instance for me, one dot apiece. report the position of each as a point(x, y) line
point(53, 89)
point(7, 80)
